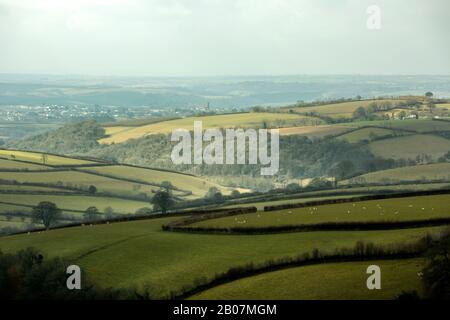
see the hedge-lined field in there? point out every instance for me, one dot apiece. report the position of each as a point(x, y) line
point(116, 180)
point(198, 186)
point(7, 208)
point(260, 205)
point(417, 125)
point(427, 172)
point(337, 281)
point(142, 253)
point(76, 178)
point(315, 131)
point(338, 110)
point(30, 189)
point(399, 209)
point(366, 134)
point(37, 157)
point(411, 146)
point(76, 202)
point(244, 120)
point(17, 165)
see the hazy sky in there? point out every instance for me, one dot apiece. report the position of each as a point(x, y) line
point(223, 37)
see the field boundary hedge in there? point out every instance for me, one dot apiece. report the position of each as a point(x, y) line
point(326, 226)
point(112, 176)
point(361, 252)
point(183, 225)
point(357, 199)
point(57, 155)
point(130, 218)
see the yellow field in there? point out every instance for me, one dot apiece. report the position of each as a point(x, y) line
point(114, 130)
point(437, 171)
point(244, 120)
point(38, 158)
point(337, 110)
point(314, 131)
point(409, 147)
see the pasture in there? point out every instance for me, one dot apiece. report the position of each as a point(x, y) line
point(420, 126)
point(25, 188)
point(41, 158)
point(338, 110)
point(314, 131)
point(337, 281)
point(80, 179)
point(411, 146)
point(198, 186)
point(367, 134)
point(76, 202)
point(142, 253)
point(398, 209)
point(301, 199)
point(237, 120)
point(17, 165)
point(426, 172)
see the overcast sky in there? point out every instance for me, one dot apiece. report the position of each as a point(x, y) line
point(223, 37)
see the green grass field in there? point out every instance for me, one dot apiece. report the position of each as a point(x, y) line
point(337, 110)
point(198, 186)
point(13, 208)
point(261, 204)
point(16, 165)
point(428, 172)
point(365, 134)
point(22, 188)
point(76, 202)
point(409, 147)
point(401, 209)
point(38, 158)
point(337, 281)
point(142, 253)
point(422, 125)
point(314, 131)
point(75, 178)
point(244, 120)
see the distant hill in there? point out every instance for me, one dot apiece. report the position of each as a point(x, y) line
point(240, 120)
point(70, 139)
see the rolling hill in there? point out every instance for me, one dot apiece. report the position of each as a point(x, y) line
point(237, 120)
point(428, 172)
point(65, 181)
point(144, 254)
point(338, 110)
point(411, 146)
point(344, 281)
